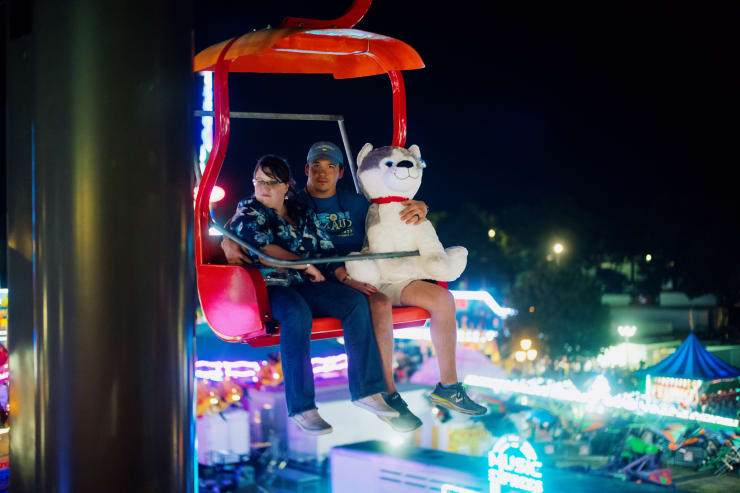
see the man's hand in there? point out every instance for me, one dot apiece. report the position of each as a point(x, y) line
point(314, 273)
point(363, 287)
point(235, 254)
point(343, 277)
point(414, 211)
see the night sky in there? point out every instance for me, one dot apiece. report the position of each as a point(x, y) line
point(615, 106)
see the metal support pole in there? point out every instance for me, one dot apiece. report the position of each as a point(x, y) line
point(101, 394)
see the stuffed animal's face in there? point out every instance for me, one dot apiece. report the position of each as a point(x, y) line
point(389, 171)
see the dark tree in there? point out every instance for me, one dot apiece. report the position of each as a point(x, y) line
point(564, 305)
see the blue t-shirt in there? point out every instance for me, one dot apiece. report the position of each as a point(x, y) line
point(342, 216)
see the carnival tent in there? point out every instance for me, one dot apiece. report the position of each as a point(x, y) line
point(692, 361)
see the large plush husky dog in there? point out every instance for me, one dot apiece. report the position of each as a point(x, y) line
point(388, 176)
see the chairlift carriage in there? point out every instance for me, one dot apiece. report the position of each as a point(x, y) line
point(233, 297)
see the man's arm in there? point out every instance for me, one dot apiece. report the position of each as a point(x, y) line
point(414, 211)
point(342, 276)
point(234, 252)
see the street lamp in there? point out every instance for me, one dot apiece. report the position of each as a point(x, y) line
point(491, 233)
point(627, 331)
point(558, 249)
point(526, 352)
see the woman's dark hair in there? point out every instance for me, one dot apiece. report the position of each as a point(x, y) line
point(278, 169)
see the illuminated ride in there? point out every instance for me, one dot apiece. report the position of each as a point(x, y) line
point(234, 298)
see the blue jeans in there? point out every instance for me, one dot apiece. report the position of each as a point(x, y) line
point(294, 308)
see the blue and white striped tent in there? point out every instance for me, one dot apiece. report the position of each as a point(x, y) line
point(692, 360)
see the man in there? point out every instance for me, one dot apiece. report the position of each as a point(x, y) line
point(342, 214)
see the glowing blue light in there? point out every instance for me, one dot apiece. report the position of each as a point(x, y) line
point(206, 134)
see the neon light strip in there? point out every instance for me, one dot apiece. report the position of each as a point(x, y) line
point(451, 488)
point(565, 391)
point(485, 297)
point(217, 371)
point(422, 333)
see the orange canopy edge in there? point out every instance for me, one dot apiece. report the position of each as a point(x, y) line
point(344, 53)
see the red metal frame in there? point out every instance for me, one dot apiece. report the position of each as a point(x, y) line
point(356, 12)
point(399, 108)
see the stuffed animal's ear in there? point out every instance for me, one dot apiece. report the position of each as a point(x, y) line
point(366, 149)
point(414, 149)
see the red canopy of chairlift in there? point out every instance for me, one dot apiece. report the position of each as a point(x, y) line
point(344, 53)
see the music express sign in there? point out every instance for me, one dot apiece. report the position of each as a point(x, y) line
point(513, 463)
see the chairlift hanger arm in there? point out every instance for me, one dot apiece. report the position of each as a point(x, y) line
point(356, 12)
point(323, 260)
point(251, 115)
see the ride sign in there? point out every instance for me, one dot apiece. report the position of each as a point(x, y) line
point(514, 463)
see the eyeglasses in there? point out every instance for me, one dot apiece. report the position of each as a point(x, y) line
point(262, 183)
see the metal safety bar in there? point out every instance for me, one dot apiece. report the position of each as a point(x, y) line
point(324, 260)
point(275, 116)
point(303, 117)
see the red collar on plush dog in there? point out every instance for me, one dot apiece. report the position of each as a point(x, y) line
point(388, 200)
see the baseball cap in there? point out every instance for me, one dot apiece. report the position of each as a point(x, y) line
point(325, 150)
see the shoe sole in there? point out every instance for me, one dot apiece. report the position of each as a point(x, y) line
point(378, 412)
point(395, 428)
point(440, 401)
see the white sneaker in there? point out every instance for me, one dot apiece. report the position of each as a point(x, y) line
point(377, 405)
point(312, 423)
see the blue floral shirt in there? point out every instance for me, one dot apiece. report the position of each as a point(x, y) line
point(259, 226)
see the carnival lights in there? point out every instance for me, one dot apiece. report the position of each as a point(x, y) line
point(634, 402)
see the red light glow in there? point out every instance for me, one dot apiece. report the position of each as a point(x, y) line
point(217, 193)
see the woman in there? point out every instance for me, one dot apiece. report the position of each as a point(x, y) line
point(275, 222)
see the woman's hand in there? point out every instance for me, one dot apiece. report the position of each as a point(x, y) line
point(314, 273)
point(363, 287)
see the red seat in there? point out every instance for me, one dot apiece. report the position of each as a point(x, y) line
point(234, 300)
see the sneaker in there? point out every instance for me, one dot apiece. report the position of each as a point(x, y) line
point(406, 421)
point(455, 398)
point(312, 423)
point(375, 404)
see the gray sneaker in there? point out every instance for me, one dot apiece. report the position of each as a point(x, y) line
point(406, 421)
point(375, 404)
point(455, 398)
point(312, 423)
